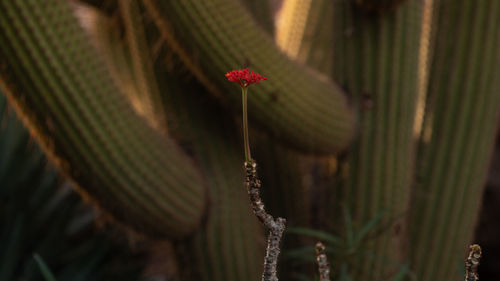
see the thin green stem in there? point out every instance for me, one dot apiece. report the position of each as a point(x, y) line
point(248, 157)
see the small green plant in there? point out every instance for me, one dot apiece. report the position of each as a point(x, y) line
point(345, 246)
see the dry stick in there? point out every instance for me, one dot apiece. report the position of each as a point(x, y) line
point(323, 266)
point(275, 226)
point(472, 263)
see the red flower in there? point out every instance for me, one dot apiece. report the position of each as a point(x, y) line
point(244, 77)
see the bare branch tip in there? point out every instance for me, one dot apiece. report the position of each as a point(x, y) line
point(320, 248)
point(472, 263)
point(323, 265)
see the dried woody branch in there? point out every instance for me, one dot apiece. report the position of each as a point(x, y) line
point(276, 226)
point(472, 263)
point(323, 266)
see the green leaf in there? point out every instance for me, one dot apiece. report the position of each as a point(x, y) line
point(349, 228)
point(368, 227)
point(324, 236)
point(47, 274)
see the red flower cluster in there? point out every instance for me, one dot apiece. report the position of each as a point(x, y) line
point(244, 77)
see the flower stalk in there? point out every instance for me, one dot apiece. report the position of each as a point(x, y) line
point(248, 156)
point(245, 78)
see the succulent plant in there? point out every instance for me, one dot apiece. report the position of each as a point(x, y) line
point(371, 107)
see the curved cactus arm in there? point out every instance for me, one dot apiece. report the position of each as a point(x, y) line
point(306, 33)
point(458, 134)
point(121, 39)
point(296, 104)
point(58, 82)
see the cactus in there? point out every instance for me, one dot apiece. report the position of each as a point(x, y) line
point(130, 167)
point(378, 62)
point(458, 138)
point(361, 114)
point(425, 194)
point(373, 57)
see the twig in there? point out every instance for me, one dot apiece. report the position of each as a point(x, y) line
point(472, 263)
point(323, 266)
point(276, 226)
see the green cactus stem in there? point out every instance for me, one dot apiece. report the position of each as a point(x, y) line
point(376, 59)
point(57, 81)
point(458, 135)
